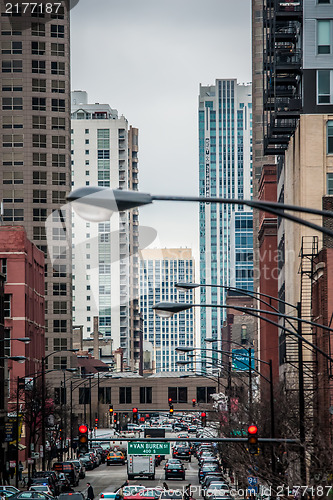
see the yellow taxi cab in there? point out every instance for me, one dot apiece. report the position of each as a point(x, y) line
point(115, 457)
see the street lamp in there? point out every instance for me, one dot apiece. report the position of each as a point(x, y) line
point(25, 340)
point(44, 358)
point(97, 204)
point(19, 359)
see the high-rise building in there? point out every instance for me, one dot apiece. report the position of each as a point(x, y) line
point(160, 270)
point(225, 170)
point(35, 147)
point(105, 260)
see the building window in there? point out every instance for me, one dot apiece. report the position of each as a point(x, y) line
point(58, 123)
point(59, 197)
point(104, 395)
point(177, 394)
point(39, 196)
point(13, 215)
point(330, 137)
point(38, 48)
point(12, 103)
point(59, 141)
point(58, 105)
point(59, 344)
point(57, 49)
point(39, 214)
point(204, 394)
point(330, 184)
point(7, 350)
point(12, 66)
point(12, 85)
point(38, 66)
point(58, 160)
point(12, 141)
point(84, 395)
point(58, 86)
point(39, 122)
point(324, 86)
point(59, 289)
point(59, 325)
point(57, 31)
point(125, 395)
point(58, 179)
point(59, 307)
point(13, 196)
point(59, 271)
point(38, 29)
point(57, 68)
point(324, 36)
point(39, 104)
point(146, 395)
point(13, 178)
point(7, 305)
point(38, 141)
point(11, 48)
point(39, 233)
point(38, 85)
point(59, 362)
point(39, 159)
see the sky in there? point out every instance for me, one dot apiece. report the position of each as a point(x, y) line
point(147, 58)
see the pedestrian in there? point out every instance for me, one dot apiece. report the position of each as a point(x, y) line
point(20, 470)
point(90, 492)
point(165, 486)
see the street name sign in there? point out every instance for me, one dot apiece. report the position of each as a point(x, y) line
point(148, 448)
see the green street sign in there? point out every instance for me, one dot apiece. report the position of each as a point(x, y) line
point(146, 448)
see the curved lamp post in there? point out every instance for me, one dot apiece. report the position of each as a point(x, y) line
point(97, 204)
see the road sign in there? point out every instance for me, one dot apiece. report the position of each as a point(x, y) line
point(253, 481)
point(252, 490)
point(146, 448)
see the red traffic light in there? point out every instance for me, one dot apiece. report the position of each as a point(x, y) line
point(252, 429)
point(170, 400)
point(135, 410)
point(193, 400)
point(203, 414)
point(83, 429)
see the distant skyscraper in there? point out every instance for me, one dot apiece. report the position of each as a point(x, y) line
point(161, 269)
point(101, 255)
point(225, 170)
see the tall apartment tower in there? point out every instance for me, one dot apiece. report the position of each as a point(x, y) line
point(35, 146)
point(160, 270)
point(225, 170)
point(105, 265)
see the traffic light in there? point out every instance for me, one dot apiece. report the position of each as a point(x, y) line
point(171, 409)
point(203, 418)
point(252, 439)
point(96, 423)
point(111, 409)
point(83, 440)
point(135, 415)
point(115, 418)
point(170, 401)
point(194, 402)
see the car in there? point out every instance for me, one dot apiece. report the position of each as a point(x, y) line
point(173, 461)
point(30, 495)
point(42, 488)
point(54, 481)
point(87, 463)
point(182, 435)
point(192, 429)
point(115, 457)
point(182, 452)
point(146, 494)
point(175, 470)
point(7, 494)
point(132, 489)
point(64, 482)
point(79, 468)
point(213, 481)
point(111, 495)
point(9, 488)
point(172, 495)
point(44, 481)
point(216, 490)
point(71, 495)
point(206, 469)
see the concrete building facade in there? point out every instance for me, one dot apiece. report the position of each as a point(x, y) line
point(160, 270)
point(105, 265)
point(35, 147)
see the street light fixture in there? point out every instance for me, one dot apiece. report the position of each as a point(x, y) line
point(25, 340)
point(19, 359)
point(97, 204)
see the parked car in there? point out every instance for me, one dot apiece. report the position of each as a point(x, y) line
point(87, 463)
point(42, 488)
point(80, 468)
point(30, 495)
point(175, 470)
point(44, 481)
point(8, 488)
point(53, 477)
point(71, 495)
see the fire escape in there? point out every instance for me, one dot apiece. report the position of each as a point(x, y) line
point(282, 64)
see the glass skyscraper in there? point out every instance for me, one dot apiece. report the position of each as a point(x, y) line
point(225, 170)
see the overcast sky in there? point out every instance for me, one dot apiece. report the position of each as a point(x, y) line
point(146, 58)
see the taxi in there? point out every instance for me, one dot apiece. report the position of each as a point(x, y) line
point(115, 457)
